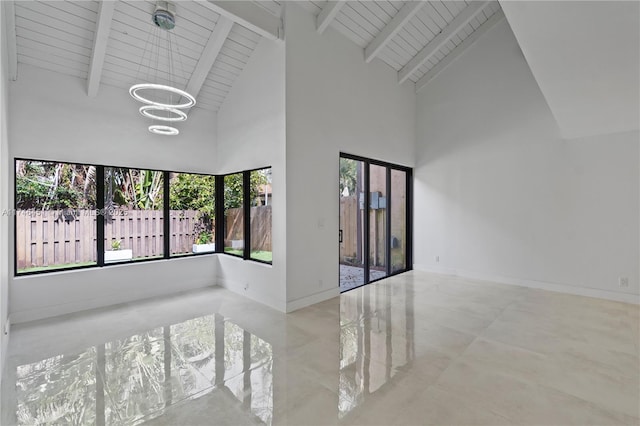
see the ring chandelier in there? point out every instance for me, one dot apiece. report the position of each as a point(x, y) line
point(153, 95)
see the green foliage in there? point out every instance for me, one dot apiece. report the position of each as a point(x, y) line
point(348, 175)
point(31, 194)
point(233, 191)
point(133, 188)
point(51, 186)
point(193, 192)
point(233, 185)
point(204, 237)
point(265, 256)
point(258, 178)
point(116, 244)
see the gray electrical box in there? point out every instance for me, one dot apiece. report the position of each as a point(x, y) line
point(382, 203)
point(377, 201)
point(374, 200)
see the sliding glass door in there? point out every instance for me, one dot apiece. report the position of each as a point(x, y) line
point(352, 218)
point(378, 212)
point(374, 236)
point(399, 219)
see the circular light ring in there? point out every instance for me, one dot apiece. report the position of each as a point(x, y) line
point(133, 91)
point(145, 110)
point(159, 129)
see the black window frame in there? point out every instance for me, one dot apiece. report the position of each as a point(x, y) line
point(408, 217)
point(246, 206)
point(100, 218)
point(167, 209)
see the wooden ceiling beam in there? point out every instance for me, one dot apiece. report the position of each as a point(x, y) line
point(459, 49)
point(328, 14)
point(249, 15)
point(12, 42)
point(403, 16)
point(459, 22)
point(211, 51)
point(100, 40)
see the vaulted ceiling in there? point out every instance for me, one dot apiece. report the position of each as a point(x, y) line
point(104, 41)
point(590, 78)
point(415, 38)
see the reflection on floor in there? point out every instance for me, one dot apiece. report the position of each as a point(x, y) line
point(134, 379)
point(416, 348)
point(353, 276)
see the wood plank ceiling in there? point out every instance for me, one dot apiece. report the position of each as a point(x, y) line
point(60, 36)
point(104, 42)
point(416, 39)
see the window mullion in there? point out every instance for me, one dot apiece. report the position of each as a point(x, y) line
point(246, 188)
point(166, 224)
point(219, 206)
point(101, 214)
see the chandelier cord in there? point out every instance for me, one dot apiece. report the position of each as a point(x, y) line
point(165, 100)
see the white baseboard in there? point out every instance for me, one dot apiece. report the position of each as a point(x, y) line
point(303, 302)
point(4, 339)
point(103, 301)
point(238, 288)
point(560, 288)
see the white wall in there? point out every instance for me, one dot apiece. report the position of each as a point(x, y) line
point(52, 118)
point(251, 134)
point(4, 193)
point(589, 78)
point(500, 195)
point(335, 102)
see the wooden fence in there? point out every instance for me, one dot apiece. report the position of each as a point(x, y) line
point(350, 215)
point(260, 227)
point(47, 238)
point(349, 219)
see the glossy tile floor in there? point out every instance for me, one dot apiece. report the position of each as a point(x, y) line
point(353, 276)
point(412, 349)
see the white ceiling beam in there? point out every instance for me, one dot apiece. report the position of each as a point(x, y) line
point(12, 43)
point(100, 40)
point(211, 50)
point(403, 16)
point(249, 15)
point(459, 22)
point(457, 51)
point(328, 14)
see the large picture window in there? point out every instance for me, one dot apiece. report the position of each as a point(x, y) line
point(234, 214)
point(55, 215)
point(70, 216)
point(247, 214)
point(133, 214)
point(260, 234)
point(192, 213)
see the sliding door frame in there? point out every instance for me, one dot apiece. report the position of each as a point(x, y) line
point(408, 240)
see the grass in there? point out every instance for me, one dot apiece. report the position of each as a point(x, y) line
point(55, 267)
point(264, 256)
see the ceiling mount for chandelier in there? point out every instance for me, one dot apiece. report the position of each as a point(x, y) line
point(163, 100)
